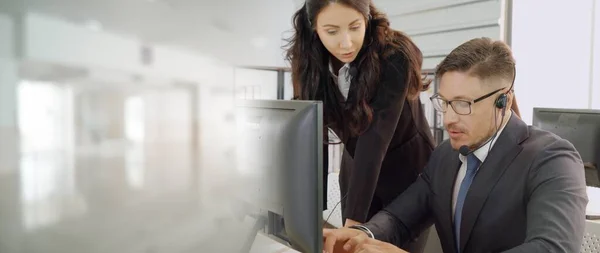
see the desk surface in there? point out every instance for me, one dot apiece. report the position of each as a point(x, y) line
point(265, 244)
point(593, 207)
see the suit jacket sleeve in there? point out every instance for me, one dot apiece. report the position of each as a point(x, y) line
point(557, 201)
point(372, 145)
point(409, 214)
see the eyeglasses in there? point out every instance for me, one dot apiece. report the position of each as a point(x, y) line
point(460, 106)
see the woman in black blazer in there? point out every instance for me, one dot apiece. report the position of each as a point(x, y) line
point(369, 78)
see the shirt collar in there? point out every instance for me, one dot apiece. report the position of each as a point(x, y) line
point(332, 71)
point(482, 152)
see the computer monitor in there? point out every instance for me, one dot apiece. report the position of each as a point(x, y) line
point(581, 127)
point(279, 155)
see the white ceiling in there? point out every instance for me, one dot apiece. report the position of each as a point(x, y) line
point(245, 32)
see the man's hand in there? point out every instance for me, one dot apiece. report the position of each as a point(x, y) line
point(348, 240)
point(335, 239)
point(350, 222)
point(372, 246)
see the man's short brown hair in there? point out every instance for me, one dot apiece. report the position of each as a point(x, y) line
point(481, 57)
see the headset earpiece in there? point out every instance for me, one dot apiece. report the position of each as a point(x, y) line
point(501, 101)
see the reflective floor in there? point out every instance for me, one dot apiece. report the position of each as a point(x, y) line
point(110, 198)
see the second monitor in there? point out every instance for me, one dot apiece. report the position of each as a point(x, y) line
point(581, 127)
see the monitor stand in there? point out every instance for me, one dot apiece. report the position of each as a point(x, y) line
point(276, 226)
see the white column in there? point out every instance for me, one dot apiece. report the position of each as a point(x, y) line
point(9, 78)
point(8, 93)
point(9, 155)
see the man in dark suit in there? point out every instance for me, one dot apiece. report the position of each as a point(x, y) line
point(497, 185)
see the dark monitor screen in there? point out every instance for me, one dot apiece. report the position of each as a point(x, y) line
point(279, 155)
point(581, 127)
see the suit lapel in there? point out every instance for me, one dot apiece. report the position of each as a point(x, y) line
point(449, 172)
point(499, 158)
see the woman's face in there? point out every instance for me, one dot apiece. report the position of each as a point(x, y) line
point(341, 29)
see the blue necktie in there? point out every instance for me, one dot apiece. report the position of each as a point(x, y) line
point(472, 164)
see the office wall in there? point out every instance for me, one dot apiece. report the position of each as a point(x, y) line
point(595, 67)
point(255, 84)
point(99, 117)
point(46, 117)
point(438, 26)
point(168, 116)
point(554, 50)
point(102, 116)
point(6, 33)
point(53, 40)
point(85, 47)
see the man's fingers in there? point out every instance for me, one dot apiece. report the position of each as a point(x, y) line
point(337, 236)
point(355, 241)
point(329, 244)
point(368, 248)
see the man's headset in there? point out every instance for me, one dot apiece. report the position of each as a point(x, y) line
point(502, 99)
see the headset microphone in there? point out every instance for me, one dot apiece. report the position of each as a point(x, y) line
point(465, 150)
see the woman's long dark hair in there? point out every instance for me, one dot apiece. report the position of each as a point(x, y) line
point(310, 66)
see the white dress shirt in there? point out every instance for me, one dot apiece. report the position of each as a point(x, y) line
point(343, 79)
point(481, 153)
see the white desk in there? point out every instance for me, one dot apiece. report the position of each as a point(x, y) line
point(265, 244)
point(593, 207)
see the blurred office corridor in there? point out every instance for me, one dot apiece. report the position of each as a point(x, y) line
point(104, 170)
point(110, 110)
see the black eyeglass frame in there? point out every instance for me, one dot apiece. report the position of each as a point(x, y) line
point(451, 102)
